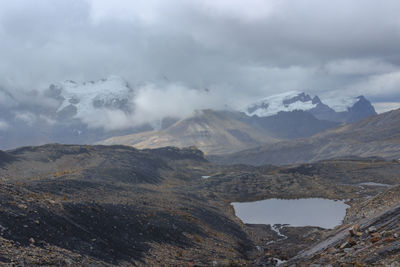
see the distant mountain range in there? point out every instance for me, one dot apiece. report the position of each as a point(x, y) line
point(377, 135)
point(82, 113)
point(281, 117)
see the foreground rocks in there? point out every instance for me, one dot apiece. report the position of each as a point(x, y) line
point(371, 241)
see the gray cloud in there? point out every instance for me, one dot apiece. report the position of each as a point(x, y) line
point(241, 50)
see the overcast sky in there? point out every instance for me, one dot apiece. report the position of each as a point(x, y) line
point(239, 50)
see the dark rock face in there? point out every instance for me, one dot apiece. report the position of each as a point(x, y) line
point(361, 109)
point(323, 111)
point(300, 97)
point(294, 124)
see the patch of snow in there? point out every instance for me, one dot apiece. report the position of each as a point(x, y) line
point(273, 104)
point(205, 177)
point(340, 104)
point(84, 96)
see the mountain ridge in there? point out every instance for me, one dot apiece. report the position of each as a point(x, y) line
point(377, 135)
point(350, 110)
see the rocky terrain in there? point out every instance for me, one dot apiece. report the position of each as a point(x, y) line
point(111, 206)
point(119, 206)
point(372, 240)
point(378, 135)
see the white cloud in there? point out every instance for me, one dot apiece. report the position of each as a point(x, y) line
point(27, 117)
point(381, 107)
point(109, 120)
point(381, 85)
point(154, 102)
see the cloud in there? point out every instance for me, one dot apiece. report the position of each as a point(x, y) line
point(26, 117)
point(243, 50)
point(380, 87)
point(381, 107)
point(152, 103)
point(174, 100)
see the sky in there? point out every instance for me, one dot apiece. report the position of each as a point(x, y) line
point(172, 51)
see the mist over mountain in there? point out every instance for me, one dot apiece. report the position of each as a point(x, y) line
point(281, 117)
point(87, 112)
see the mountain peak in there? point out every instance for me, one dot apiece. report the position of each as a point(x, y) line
point(289, 101)
point(345, 109)
point(81, 100)
point(360, 109)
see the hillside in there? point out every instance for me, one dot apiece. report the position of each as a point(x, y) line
point(214, 132)
point(378, 135)
point(221, 132)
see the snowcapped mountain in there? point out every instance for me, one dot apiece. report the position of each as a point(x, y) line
point(341, 104)
point(69, 112)
point(349, 109)
point(83, 100)
point(288, 101)
point(87, 112)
